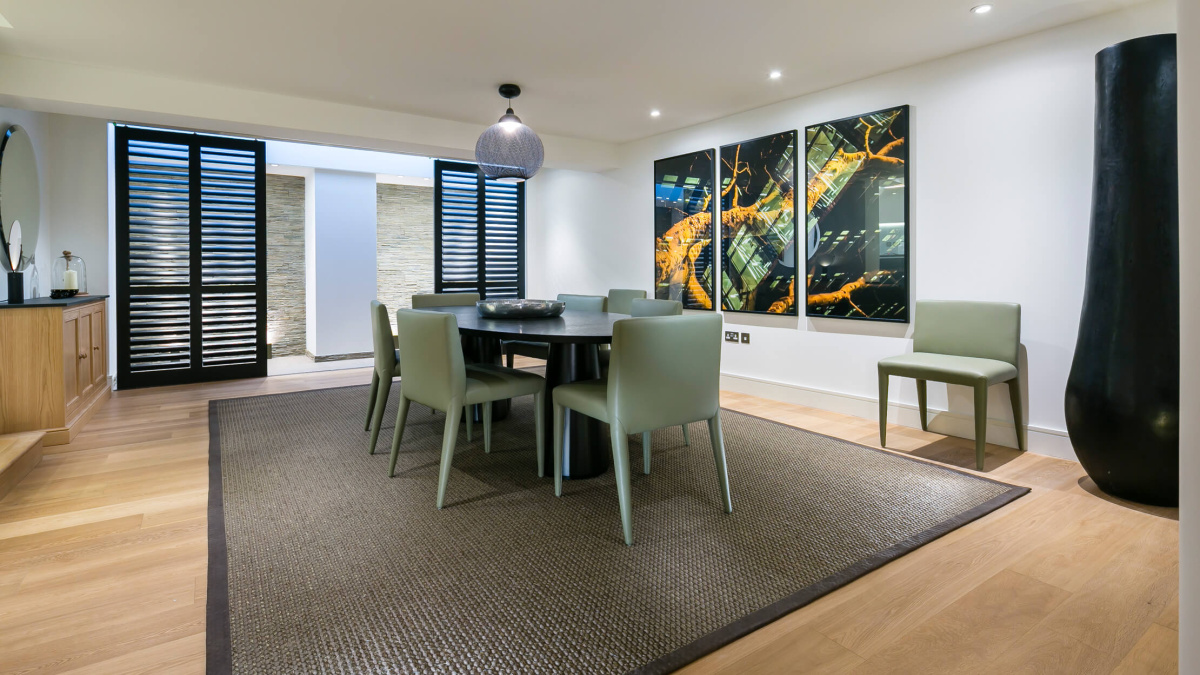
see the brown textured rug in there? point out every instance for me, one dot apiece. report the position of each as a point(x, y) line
point(321, 564)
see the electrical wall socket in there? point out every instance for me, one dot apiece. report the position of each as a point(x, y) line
point(731, 336)
point(745, 338)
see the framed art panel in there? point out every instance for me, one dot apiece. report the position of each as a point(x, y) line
point(683, 232)
point(856, 222)
point(758, 225)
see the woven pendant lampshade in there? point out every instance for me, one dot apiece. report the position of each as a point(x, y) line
point(508, 150)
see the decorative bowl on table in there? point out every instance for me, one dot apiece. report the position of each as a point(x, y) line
point(520, 309)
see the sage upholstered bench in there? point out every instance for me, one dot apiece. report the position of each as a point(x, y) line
point(975, 344)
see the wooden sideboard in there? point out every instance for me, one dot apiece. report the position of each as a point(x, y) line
point(53, 365)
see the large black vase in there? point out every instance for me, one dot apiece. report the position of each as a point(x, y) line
point(1122, 402)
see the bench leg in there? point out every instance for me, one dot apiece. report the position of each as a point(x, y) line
point(883, 405)
point(923, 404)
point(1014, 394)
point(981, 397)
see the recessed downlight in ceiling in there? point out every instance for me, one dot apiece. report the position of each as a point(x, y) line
point(981, 9)
point(655, 113)
point(775, 75)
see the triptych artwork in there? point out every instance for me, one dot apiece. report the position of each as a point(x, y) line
point(747, 255)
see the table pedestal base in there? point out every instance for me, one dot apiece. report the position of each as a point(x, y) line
point(586, 439)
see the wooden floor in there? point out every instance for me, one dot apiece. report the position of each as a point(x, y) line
point(103, 550)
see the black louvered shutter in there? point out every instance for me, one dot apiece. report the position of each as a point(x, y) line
point(191, 257)
point(479, 233)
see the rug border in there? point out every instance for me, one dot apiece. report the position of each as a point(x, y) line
point(219, 646)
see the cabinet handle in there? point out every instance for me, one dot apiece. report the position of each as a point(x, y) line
point(83, 356)
point(96, 348)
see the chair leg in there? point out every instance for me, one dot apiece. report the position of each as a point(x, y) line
point(620, 449)
point(558, 448)
point(381, 397)
point(510, 359)
point(487, 427)
point(718, 444)
point(883, 405)
point(923, 404)
point(1014, 394)
point(449, 438)
point(469, 412)
point(539, 431)
point(371, 399)
point(981, 397)
point(646, 452)
point(401, 418)
point(686, 440)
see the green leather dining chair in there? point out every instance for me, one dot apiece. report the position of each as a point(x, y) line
point(422, 300)
point(541, 350)
point(664, 371)
point(643, 307)
point(620, 300)
point(438, 377)
point(387, 366)
point(975, 344)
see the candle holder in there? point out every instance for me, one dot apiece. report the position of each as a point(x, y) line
point(69, 277)
point(16, 288)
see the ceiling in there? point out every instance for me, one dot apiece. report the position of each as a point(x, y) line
point(590, 70)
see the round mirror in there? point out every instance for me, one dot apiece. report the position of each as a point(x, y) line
point(20, 197)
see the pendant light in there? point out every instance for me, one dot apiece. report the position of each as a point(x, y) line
point(508, 150)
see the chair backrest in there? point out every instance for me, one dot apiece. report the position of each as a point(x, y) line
point(431, 357)
point(620, 300)
point(985, 330)
point(641, 307)
point(665, 370)
point(584, 303)
point(381, 338)
point(420, 300)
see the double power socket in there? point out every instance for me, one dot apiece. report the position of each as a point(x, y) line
point(732, 336)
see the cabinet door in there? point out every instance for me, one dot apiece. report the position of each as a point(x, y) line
point(83, 360)
point(70, 364)
point(99, 357)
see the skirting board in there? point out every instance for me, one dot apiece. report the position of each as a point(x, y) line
point(64, 435)
point(1041, 441)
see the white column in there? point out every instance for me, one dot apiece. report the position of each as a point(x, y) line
point(339, 259)
point(1189, 333)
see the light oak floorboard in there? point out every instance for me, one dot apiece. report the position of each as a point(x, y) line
point(103, 554)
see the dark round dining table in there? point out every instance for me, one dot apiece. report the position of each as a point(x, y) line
point(574, 340)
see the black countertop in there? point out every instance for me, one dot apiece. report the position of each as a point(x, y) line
point(51, 302)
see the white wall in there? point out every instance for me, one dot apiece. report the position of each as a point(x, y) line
point(1189, 296)
point(78, 168)
point(340, 261)
point(1001, 173)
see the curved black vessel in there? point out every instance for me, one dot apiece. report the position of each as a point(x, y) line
point(1122, 401)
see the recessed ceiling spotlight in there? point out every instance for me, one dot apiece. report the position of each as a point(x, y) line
point(655, 113)
point(775, 75)
point(981, 9)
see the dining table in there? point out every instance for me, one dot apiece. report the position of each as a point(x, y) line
point(574, 339)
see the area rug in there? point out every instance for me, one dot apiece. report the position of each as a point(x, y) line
point(319, 563)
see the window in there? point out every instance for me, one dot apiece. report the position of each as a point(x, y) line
point(479, 233)
point(191, 257)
